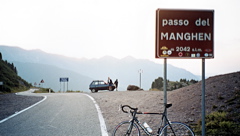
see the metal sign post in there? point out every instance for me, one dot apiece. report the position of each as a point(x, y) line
point(64, 79)
point(140, 71)
point(42, 82)
point(203, 97)
point(60, 87)
point(165, 90)
point(63, 87)
point(165, 81)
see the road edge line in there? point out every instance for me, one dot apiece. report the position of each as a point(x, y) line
point(100, 117)
point(1, 121)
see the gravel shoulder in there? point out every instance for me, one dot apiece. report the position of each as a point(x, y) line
point(145, 101)
point(186, 101)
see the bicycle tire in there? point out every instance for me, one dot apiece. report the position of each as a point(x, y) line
point(180, 129)
point(122, 128)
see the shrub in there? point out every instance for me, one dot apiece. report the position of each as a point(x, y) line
point(43, 90)
point(214, 107)
point(218, 123)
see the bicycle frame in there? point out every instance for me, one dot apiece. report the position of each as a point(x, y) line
point(164, 128)
point(161, 125)
point(137, 122)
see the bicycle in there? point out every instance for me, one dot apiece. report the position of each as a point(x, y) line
point(131, 128)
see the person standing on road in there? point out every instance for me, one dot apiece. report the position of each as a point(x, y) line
point(110, 83)
point(109, 80)
point(116, 84)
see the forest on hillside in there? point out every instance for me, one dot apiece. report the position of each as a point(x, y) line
point(157, 84)
point(9, 79)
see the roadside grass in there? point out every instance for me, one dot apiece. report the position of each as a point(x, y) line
point(20, 89)
point(44, 90)
point(71, 91)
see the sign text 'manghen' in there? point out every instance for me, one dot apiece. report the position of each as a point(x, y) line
point(184, 33)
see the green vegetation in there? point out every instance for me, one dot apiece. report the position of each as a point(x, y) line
point(44, 90)
point(219, 123)
point(71, 91)
point(223, 122)
point(157, 84)
point(11, 81)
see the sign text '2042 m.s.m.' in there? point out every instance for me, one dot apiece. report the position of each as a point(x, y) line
point(184, 33)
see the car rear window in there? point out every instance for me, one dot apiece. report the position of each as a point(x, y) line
point(102, 83)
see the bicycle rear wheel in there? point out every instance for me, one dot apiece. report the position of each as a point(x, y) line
point(177, 129)
point(126, 128)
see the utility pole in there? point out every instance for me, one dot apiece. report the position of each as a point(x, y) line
point(140, 71)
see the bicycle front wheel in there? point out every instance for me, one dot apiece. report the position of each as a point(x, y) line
point(126, 128)
point(177, 129)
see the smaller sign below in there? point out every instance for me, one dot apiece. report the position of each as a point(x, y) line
point(64, 79)
point(1, 83)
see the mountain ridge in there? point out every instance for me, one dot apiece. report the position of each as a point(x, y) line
point(76, 81)
point(125, 69)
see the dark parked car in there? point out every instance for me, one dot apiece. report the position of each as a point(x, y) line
point(100, 85)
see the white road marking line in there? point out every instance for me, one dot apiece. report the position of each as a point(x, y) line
point(16, 113)
point(100, 116)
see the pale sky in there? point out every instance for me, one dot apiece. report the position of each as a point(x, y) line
point(118, 28)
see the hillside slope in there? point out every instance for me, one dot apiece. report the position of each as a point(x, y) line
point(222, 94)
point(9, 78)
point(35, 72)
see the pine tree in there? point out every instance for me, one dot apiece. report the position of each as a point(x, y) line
point(15, 70)
point(158, 83)
point(12, 66)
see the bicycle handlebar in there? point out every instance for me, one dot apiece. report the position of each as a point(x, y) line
point(131, 108)
point(135, 109)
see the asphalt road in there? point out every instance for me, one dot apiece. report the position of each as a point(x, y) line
point(61, 114)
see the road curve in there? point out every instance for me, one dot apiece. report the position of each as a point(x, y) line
point(62, 114)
